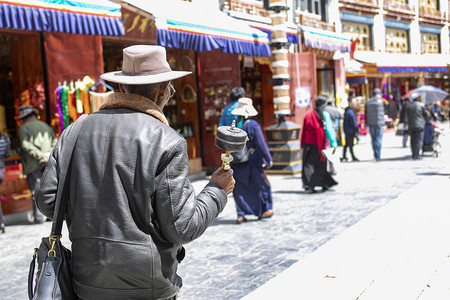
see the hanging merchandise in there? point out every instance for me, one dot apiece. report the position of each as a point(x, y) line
point(58, 106)
point(64, 106)
point(96, 98)
point(71, 106)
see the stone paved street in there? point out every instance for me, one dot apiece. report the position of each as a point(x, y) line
point(230, 260)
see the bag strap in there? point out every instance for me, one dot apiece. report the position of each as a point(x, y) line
point(61, 202)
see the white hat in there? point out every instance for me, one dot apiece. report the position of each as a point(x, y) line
point(413, 95)
point(245, 108)
point(144, 64)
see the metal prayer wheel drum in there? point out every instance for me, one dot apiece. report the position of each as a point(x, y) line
point(280, 54)
point(230, 138)
point(279, 33)
point(275, 3)
point(278, 18)
point(280, 69)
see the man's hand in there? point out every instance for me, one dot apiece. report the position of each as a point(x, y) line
point(224, 179)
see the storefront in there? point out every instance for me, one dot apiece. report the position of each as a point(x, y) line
point(397, 73)
point(44, 44)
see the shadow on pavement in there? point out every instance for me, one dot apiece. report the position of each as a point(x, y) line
point(406, 157)
point(433, 174)
point(231, 222)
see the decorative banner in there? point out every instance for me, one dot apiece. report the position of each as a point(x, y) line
point(302, 96)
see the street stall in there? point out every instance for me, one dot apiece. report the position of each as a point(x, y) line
point(44, 43)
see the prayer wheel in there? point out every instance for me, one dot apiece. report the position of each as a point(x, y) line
point(282, 136)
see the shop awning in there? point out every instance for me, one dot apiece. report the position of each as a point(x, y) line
point(405, 63)
point(195, 27)
point(97, 17)
point(265, 25)
point(354, 71)
point(325, 40)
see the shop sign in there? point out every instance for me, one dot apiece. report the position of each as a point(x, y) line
point(302, 96)
point(138, 26)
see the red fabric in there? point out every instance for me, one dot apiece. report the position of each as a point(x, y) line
point(353, 48)
point(313, 132)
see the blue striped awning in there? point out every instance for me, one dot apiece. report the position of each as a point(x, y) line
point(97, 17)
point(195, 27)
point(326, 40)
point(265, 25)
point(405, 62)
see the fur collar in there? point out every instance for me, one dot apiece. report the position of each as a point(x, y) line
point(134, 102)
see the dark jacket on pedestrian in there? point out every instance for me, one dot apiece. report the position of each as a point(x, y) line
point(350, 122)
point(416, 113)
point(131, 206)
point(374, 112)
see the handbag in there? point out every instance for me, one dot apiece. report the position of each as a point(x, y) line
point(402, 128)
point(242, 156)
point(54, 275)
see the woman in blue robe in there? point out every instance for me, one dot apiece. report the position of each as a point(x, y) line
point(252, 192)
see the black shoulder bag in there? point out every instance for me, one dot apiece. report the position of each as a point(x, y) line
point(242, 156)
point(54, 275)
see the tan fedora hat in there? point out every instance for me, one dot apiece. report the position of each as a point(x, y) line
point(144, 64)
point(245, 108)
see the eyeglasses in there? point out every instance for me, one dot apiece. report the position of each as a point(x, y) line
point(172, 90)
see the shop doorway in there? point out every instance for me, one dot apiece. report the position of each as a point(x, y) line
point(326, 84)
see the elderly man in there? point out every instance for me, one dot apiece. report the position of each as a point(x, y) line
point(131, 205)
point(374, 118)
point(416, 114)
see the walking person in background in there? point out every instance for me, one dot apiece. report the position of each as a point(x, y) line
point(5, 146)
point(252, 192)
point(417, 115)
point(227, 117)
point(313, 141)
point(403, 121)
point(131, 205)
point(36, 141)
point(350, 129)
point(374, 116)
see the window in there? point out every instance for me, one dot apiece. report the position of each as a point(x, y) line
point(430, 43)
point(316, 7)
point(360, 31)
point(430, 4)
point(396, 41)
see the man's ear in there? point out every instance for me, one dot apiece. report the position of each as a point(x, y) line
point(121, 88)
point(163, 89)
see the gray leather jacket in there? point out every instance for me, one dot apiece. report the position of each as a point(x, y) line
point(374, 112)
point(131, 206)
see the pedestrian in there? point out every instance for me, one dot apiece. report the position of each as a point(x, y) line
point(374, 116)
point(131, 205)
point(227, 117)
point(5, 146)
point(252, 193)
point(37, 139)
point(417, 114)
point(313, 141)
point(351, 130)
point(403, 121)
